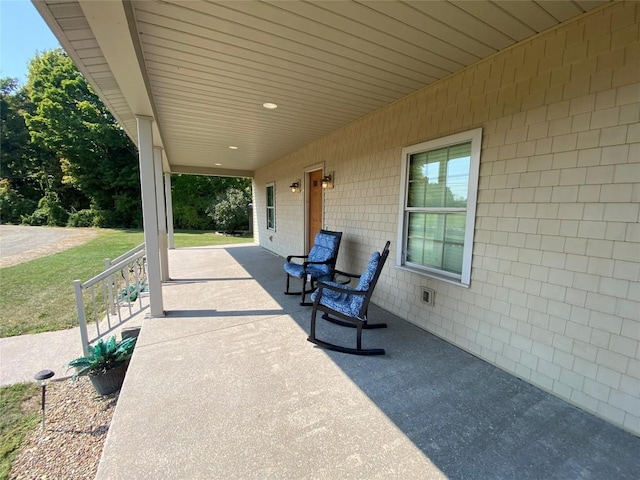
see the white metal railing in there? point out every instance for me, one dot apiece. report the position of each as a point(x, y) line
point(116, 292)
point(108, 263)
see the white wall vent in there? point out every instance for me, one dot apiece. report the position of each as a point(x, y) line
point(427, 295)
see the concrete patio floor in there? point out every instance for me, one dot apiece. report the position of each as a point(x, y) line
point(226, 386)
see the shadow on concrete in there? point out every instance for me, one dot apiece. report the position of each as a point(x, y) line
point(220, 313)
point(471, 419)
point(183, 281)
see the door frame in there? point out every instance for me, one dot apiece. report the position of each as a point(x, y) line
point(311, 168)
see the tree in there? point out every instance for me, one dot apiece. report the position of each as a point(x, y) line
point(97, 161)
point(192, 198)
point(65, 160)
point(14, 133)
point(231, 212)
point(18, 190)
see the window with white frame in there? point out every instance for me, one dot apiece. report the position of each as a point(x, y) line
point(438, 206)
point(271, 206)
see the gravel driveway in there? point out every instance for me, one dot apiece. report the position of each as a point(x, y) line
point(20, 243)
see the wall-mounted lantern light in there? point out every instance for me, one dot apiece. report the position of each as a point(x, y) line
point(327, 181)
point(295, 186)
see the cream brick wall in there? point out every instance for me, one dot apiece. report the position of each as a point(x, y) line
point(555, 292)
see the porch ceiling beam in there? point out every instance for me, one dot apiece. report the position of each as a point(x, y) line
point(113, 25)
point(110, 26)
point(220, 172)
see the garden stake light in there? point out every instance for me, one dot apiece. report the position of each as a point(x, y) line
point(42, 376)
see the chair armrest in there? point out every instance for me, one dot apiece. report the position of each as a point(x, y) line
point(346, 274)
point(349, 291)
point(296, 256)
point(311, 262)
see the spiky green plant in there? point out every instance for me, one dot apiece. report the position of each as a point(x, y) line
point(103, 356)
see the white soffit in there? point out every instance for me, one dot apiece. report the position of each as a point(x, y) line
point(203, 69)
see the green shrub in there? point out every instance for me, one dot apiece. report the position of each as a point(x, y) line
point(49, 212)
point(187, 217)
point(86, 218)
point(13, 205)
point(231, 212)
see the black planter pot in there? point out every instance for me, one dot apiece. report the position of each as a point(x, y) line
point(110, 381)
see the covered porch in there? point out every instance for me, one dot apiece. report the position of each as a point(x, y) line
point(226, 386)
point(551, 287)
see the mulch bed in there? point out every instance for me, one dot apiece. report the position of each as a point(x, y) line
point(77, 421)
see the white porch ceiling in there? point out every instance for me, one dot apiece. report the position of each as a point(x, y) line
point(203, 69)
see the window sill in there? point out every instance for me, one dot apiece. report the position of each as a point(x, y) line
point(435, 276)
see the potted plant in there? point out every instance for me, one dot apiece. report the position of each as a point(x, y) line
point(106, 364)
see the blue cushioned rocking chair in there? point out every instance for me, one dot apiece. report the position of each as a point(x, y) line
point(347, 306)
point(319, 264)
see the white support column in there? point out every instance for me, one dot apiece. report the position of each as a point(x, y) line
point(162, 222)
point(169, 201)
point(149, 214)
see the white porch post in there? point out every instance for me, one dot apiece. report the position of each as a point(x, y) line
point(149, 215)
point(162, 222)
point(169, 203)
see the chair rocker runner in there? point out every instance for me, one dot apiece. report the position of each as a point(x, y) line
point(347, 306)
point(319, 264)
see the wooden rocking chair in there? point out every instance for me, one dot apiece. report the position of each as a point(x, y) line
point(347, 306)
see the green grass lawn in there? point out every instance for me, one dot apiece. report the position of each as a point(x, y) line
point(18, 414)
point(38, 296)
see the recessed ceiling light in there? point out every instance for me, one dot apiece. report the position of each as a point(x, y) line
point(217, 164)
point(270, 106)
point(233, 147)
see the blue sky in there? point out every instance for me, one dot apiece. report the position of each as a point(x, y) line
point(22, 34)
